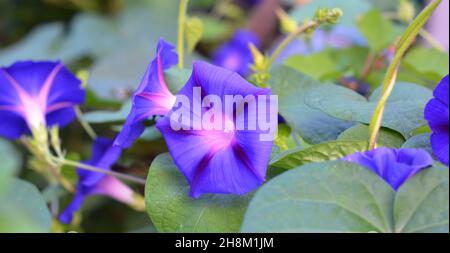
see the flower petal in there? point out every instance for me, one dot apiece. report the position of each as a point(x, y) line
point(61, 117)
point(395, 166)
point(67, 215)
point(440, 146)
point(65, 88)
point(151, 98)
point(442, 90)
point(114, 188)
point(219, 81)
point(437, 114)
point(104, 155)
point(226, 160)
point(31, 75)
point(40, 92)
point(12, 125)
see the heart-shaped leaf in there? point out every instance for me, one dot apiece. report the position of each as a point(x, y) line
point(340, 196)
point(172, 210)
point(322, 197)
point(326, 151)
point(421, 204)
point(403, 112)
point(387, 137)
point(313, 125)
point(23, 204)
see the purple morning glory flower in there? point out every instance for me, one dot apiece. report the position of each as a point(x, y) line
point(37, 93)
point(152, 97)
point(104, 155)
point(220, 160)
point(395, 166)
point(436, 113)
point(235, 54)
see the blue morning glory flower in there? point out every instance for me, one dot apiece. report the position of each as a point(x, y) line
point(37, 93)
point(395, 166)
point(225, 159)
point(235, 55)
point(436, 113)
point(104, 155)
point(151, 98)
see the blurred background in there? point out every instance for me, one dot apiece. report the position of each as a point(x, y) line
point(113, 41)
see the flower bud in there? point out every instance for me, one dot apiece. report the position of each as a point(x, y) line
point(406, 10)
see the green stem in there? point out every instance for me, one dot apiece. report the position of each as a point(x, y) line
point(99, 170)
point(290, 38)
point(89, 130)
point(391, 75)
point(322, 16)
point(423, 33)
point(181, 26)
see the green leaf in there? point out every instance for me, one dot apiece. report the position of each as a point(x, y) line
point(138, 29)
point(319, 66)
point(313, 125)
point(318, 153)
point(322, 197)
point(194, 32)
point(286, 139)
point(419, 141)
point(100, 117)
point(428, 63)
point(10, 157)
point(214, 28)
point(150, 133)
point(378, 31)
point(350, 61)
point(53, 192)
point(24, 205)
point(351, 9)
point(387, 137)
point(11, 162)
point(119, 73)
point(90, 35)
point(421, 204)
point(176, 78)
point(172, 210)
point(39, 44)
point(403, 113)
point(339, 196)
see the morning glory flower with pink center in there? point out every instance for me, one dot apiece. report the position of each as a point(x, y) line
point(223, 158)
point(104, 155)
point(235, 54)
point(151, 98)
point(34, 94)
point(436, 113)
point(395, 166)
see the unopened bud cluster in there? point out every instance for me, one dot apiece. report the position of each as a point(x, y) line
point(331, 16)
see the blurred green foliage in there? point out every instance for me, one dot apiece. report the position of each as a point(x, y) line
point(115, 39)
